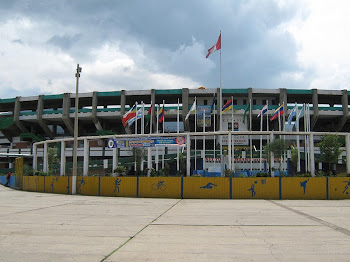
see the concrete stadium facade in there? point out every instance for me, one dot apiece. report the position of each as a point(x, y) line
point(24, 120)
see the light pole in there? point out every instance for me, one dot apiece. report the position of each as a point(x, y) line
point(75, 149)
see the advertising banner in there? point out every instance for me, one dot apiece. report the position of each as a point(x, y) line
point(146, 142)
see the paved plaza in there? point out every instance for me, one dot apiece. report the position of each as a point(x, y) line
point(52, 227)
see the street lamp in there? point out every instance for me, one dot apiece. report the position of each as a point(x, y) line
point(75, 157)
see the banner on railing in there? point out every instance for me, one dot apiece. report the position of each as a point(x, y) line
point(146, 142)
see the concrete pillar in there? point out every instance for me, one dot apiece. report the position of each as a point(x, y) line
point(345, 102)
point(63, 159)
point(188, 155)
point(347, 145)
point(153, 100)
point(16, 113)
point(185, 98)
point(283, 100)
point(229, 147)
point(272, 157)
point(312, 154)
point(45, 159)
point(86, 157)
point(94, 111)
point(39, 117)
point(250, 99)
point(149, 161)
point(65, 113)
point(35, 157)
point(122, 102)
point(315, 108)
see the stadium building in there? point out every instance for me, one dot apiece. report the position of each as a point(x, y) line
point(25, 120)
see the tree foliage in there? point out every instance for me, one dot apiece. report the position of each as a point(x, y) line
point(330, 149)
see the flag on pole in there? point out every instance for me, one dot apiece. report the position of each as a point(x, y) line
point(161, 114)
point(213, 104)
point(148, 116)
point(215, 47)
point(263, 111)
point(136, 117)
point(292, 114)
point(301, 113)
point(128, 115)
point(227, 106)
point(278, 112)
point(245, 112)
point(193, 108)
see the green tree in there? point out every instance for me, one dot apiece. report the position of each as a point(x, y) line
point(277, 147)
point(330, 149)
point(53, 158)
point(182, 162)
point(138, 155)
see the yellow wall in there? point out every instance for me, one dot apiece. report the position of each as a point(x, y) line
point(87, 185)
point(118, 186)
point(255, 188)
point(33, 183)
point(56, 184)
point(154, 187)
point(315, 188)
point(206, 187)
point(339, 187)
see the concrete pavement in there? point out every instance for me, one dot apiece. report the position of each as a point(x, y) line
point(51, 227)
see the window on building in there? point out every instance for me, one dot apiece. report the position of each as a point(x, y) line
point(264, 102)
point(273, 102)
point(234, 102)
point(254, 101)
point(225, 101)
point(229, 127)
point(205, 102)
point(244, 101)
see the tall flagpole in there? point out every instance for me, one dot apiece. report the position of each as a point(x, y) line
point(157, 156)
point(214, 136)
point(261, 127)
point(151, 120)
point(267, 129)
point(195, 137)
point(251, 141)
point(163, 155)
point(204, 141)
point(142, 129)
point(178, 131)
point(232, 153)
point(136, 132)
point(221, 156)
point(298, 139)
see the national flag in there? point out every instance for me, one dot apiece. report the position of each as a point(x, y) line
point(148, 116)
point(227, 106)
point(213, 103)
point(128, 115)
point(292, 114)
point(245, 112)
point(193, 108)
point(263, 111)
point(139, 116)
point(301, 113)
point(215, 47)
point(278, 111)
point(161, 114)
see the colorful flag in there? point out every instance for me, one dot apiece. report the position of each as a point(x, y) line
point(139, 116)
point(292, 114)
point(245, 112)
point(227, 106)
point(213, 103)
point(215, 47)
point(263, 111)
point(193, 108)
point(161, 114)
point(128, 115)
point(148, 116)
point(278, 111)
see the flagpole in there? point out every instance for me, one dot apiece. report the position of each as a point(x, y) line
point(151, 121)
point(214, 137)
point(251, 140)
point(261, 127)
point(136, 133)
point(195, 137)
point(204, 141)
point(142, 130)
point(157, 156)
point(163, 155)
point(284, 138)
point(298, 138)
point(178, 131)
point(232, 153)
point(221, 105)
point(267, 129)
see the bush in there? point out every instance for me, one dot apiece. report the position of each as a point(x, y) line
point(262, 174)
point(41, 173)
point(119, 170)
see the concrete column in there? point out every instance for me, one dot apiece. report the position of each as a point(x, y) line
point(185, 98)
point(188, 155)
point(63, 159)
point(94, 111)
point(16, 113)
point(312, 154)
point(347, 145)
point(344, 101)
point(250, 99)
point(122, 102)
point(65, 113)
point(35, 157)
point(115, 159)
point(153, 100)
point(149, 161)
point(315, 108)
point(39, 117)
point(229, 148)
point(283, 100)
point(272, 156)
point(86, 157)
point(45, 158)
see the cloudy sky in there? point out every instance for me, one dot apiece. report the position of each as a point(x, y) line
point(162, 44)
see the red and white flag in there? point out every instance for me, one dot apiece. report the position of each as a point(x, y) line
point(215, 47)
